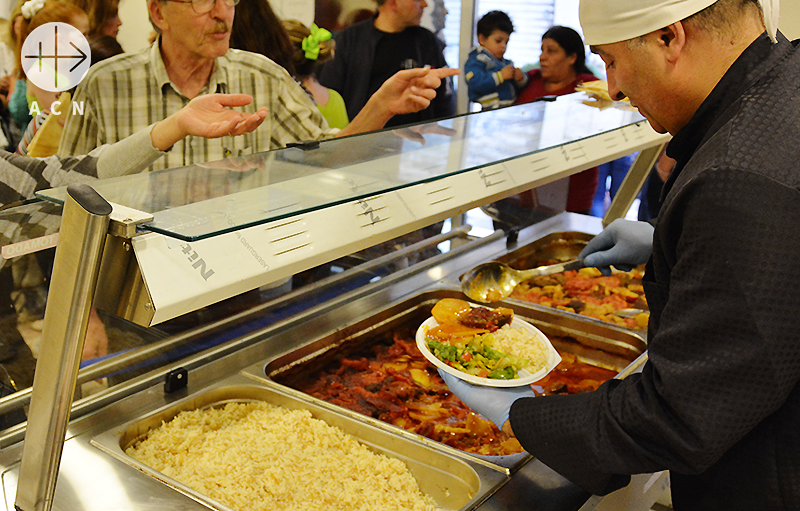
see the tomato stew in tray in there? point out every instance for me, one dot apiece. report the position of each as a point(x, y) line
point(378, 371)
point(586, 291)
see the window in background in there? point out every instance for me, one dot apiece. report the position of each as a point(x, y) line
point(531, 20)
point(451, 32)
point(566, 14)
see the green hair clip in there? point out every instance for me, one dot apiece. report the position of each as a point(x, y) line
point(311, 43)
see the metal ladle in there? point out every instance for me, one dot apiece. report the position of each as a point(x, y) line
point(494, 281)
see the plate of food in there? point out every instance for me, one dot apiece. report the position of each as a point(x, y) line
point(489, 347)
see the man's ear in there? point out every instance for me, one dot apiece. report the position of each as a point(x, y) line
point(155, 10)
point(672, 39)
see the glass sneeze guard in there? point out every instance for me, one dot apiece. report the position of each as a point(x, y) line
point(196, 202)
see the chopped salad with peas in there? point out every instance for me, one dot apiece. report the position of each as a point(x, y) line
point(477, 357)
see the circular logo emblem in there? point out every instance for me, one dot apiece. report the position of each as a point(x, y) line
point(56, 57)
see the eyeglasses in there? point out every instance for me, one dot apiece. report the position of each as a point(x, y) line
point(204, 6)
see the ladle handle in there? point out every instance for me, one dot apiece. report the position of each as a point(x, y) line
point(576, 264)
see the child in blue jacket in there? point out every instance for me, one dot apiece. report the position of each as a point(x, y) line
point(492, 80)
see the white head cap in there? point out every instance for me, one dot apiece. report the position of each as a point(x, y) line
point(612, 21)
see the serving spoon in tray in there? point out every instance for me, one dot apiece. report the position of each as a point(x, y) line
point(494, 281)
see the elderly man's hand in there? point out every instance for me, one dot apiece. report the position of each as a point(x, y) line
point(411, 90)
point(208, 116)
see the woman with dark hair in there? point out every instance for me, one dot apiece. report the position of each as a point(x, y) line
point(103, 16)
point(256, 28)
point(563, 66)
point(103, 47)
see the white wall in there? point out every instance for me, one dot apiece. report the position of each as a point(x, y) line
point(300, 10)
point(351, 5)
point(136, 28)
point(790, 18)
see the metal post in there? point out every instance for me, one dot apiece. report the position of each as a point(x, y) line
point(84, 225)
point(632, 184)
point(465, 43)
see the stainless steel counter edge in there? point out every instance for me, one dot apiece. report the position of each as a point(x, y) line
point(534, 486)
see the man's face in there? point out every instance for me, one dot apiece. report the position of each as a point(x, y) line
point(410, 11)
point(205, 36)
point(635, 71)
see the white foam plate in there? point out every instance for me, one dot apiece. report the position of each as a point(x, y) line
point(525, 378)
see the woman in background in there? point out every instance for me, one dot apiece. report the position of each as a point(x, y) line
point(256, 28)
point(37, 13)
point(103, 16)
point(312, 47)
point(563, 67)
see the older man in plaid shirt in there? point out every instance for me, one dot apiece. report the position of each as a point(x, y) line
point(191, 57)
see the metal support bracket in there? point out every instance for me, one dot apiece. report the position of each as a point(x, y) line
point(84, 227)
point(632, 184)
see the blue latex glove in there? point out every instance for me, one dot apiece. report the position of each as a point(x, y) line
point(623, 244)
point(494, 403)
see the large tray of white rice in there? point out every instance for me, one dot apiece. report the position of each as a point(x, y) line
point(251, 448)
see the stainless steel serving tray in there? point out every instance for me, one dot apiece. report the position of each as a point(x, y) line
point(553, 248)
point(454, 483)
point(594, 342)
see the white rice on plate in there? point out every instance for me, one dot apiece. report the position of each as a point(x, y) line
point(521, 344)
point(256, 456)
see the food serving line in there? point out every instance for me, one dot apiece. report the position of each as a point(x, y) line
point(95, 472)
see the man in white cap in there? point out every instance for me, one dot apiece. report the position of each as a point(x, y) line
point(718, 402)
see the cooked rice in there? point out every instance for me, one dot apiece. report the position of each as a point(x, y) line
point(256, 456)
point(521, 344)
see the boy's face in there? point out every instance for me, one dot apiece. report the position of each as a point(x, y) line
point(495, 43)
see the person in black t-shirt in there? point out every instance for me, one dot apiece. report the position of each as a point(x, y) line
point(371, 51)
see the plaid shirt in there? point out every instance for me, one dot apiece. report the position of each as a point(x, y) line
point(129, 92)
